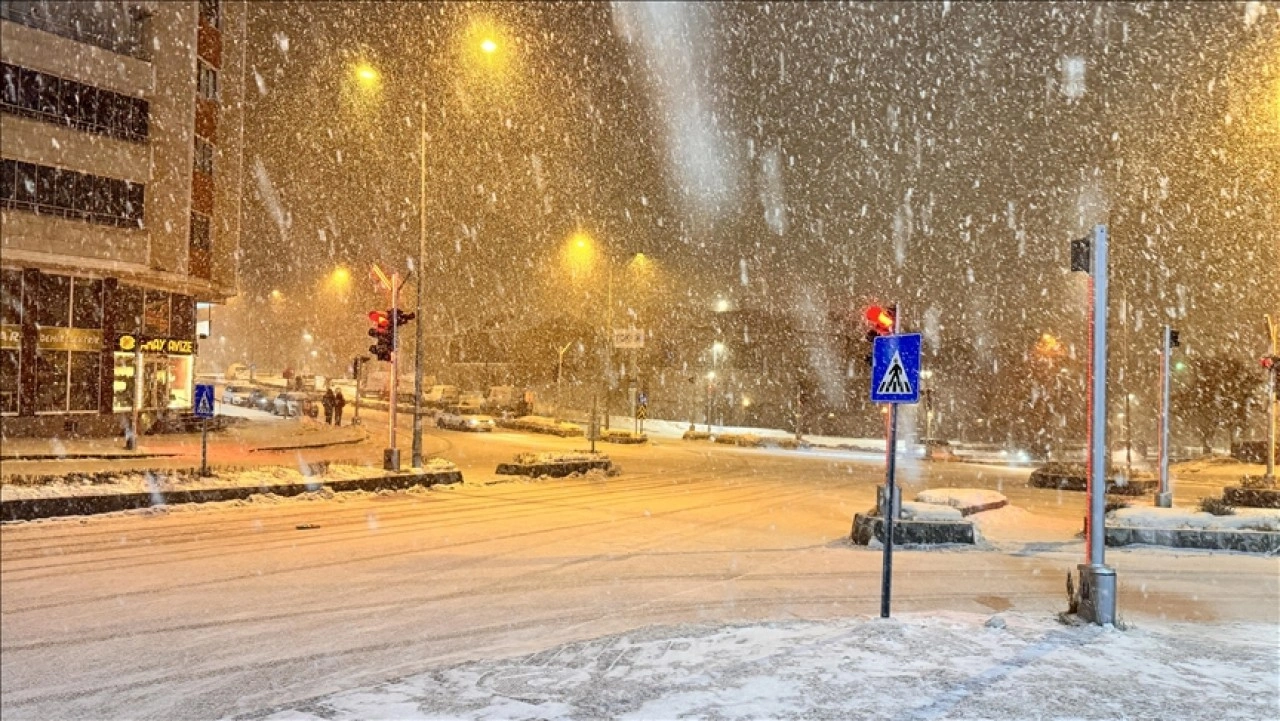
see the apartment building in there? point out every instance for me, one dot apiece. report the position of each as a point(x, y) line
point(120, 166)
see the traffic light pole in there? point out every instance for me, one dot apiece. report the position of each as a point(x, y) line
point(1096, 592)
point(890, 504)
point(419, 346)
point(391, 455)
point(1164, 498)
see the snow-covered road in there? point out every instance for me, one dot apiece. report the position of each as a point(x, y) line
point(239, 610)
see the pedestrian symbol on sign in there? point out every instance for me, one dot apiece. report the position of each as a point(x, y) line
point(895, 380)
point(204, 401)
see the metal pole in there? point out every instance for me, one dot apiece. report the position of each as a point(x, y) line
point(1272, 402)
point(204, 446)
point(1164, 499)
point(420, 335)
point(608, 340)
point(1128, 422)
point(131, 441)
point(391, 458)
point(355, 418)
point(1098, 450)
point(1096, 599)
point(889, 506)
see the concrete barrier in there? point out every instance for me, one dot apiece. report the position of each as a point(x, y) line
point(866, 527)
point(1267, 542)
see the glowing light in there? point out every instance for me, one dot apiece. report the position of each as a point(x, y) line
point(367, 75)
point(489, 46)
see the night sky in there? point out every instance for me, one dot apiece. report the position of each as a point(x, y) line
point(786, 156)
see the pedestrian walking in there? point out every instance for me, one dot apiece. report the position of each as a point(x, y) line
point(327, 402)
point(339, 402)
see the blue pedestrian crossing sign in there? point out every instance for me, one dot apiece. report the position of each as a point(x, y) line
point(895, 369)
point(204, 400)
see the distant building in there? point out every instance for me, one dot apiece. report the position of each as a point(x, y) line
point(120, 141)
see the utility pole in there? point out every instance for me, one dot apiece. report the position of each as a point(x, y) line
point(1164, 498)
point(559, 375)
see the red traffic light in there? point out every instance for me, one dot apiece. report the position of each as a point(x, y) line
point(379, 319)
point(881, 319)
point(1268, 362)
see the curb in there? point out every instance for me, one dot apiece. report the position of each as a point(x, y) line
point(307, 446)
point(85, 457)
point(28, 509)
point(912, 532)
point(1265, 542)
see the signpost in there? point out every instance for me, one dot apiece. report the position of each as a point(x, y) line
point(1164, 497)
point(204, 411)
point(895, 379)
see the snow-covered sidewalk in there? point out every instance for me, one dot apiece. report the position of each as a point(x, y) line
point(941, 666)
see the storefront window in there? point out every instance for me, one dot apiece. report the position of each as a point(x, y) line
point(51, 381)
point(10, 339)
point(85, 381)
point(127, 309)
point(53, 301)
point(181, 381)
point(9, 365)
point(86, 303)
point(122, 383)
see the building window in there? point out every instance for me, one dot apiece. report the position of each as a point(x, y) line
point(207, 81)
point(10, 339)
point(48, 98)
point(68, 194)
point(155, 318)
point(184, 317)
point(210, 12)
point(121, 26)
point(201, 247)
point(69, 320)
point(204, 156)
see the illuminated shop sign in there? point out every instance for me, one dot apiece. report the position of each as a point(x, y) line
point(155, 344)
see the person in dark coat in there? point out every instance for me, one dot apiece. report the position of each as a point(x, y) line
point(339, 402)
point(327, 402)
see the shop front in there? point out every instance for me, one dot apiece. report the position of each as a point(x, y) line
point(71, 348)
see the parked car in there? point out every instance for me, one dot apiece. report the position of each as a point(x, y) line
point(236, 395)
point(259, 400)
point(293, 404)
point(441, 396)
point(501, 398)
point(462, 419)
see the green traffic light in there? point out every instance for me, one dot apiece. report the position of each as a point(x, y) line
point(1180, 366)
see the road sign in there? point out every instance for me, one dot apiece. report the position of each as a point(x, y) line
point(204, 400)
point(642, 398)
point(642, 412)
point(628, 337)
point(895, 369)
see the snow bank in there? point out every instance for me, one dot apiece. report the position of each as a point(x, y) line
point(531, 458)
point(962, 498)
point(1254, 519)
point(915, 511)
point(940, 666)
point(162, 482)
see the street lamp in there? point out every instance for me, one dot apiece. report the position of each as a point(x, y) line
point(484, 36)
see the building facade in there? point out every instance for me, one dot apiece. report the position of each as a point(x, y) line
point(120, 166)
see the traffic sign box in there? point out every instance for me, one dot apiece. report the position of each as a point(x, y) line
point(204, 400)
point(895, 369)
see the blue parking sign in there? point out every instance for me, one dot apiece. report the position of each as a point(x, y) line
point(895, 369)
point(204, 400)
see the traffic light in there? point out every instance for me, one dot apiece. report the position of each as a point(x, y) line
point(400, 317)
point(881, 320)
point(382, 332)
point(1271, 362)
